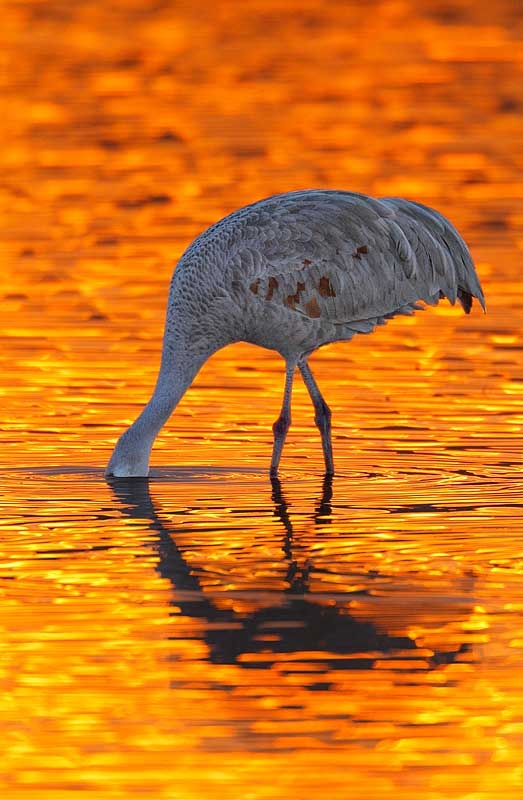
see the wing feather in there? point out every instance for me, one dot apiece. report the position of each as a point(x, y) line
point(349, 260)
point(445, 245)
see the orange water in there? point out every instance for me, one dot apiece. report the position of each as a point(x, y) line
point(206, 634)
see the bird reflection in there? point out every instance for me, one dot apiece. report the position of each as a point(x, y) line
point(294, 623)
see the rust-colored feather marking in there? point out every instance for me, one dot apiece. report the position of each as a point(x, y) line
point(254, 286)
point(312, 308)
point(307, 261)
point(273, 284)
point(291, 299)
point(360, 251)
point(325, 287)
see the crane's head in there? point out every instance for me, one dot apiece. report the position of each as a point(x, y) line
point(130, 458)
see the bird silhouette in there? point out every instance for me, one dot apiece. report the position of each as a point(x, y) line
point(299, 619)
point(292, 273)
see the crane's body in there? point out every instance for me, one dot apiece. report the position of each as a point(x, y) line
point(292, 273)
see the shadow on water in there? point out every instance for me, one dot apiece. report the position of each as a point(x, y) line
point(298, 621)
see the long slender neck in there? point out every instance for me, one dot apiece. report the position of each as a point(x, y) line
point(179, 367)
point(164, 400)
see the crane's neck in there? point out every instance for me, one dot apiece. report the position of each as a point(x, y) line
point(180, 364)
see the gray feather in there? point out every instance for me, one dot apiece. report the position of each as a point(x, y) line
point(307, 266)
point(292, 273)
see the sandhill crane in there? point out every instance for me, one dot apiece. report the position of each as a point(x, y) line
point(292, 273)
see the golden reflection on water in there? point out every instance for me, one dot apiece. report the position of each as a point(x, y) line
point(205, 633)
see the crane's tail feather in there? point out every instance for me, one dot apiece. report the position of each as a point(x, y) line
point(465, 298)
point(451, 264)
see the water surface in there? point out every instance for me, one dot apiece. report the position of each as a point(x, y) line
point(208, 633)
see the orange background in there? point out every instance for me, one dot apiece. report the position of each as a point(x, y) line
point(129, 127)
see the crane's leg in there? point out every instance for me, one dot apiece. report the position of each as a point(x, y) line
point(322, 416)
point(281, 426)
